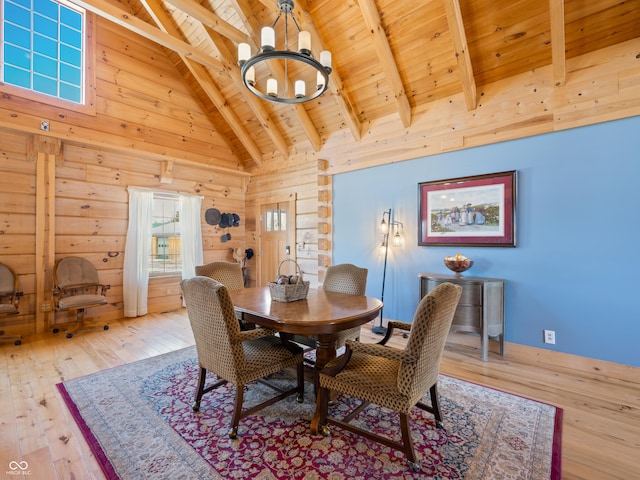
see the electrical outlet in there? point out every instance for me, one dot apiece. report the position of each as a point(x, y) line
point(45, 307)
point(550, 337)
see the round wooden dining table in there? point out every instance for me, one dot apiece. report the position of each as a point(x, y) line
point(321, 315)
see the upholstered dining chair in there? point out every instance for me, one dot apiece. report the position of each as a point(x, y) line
point(350, 279)
point(235, 356)
point(393, 378)
point(230, 275)
point(76, 288)
point(342, 278)
point(227, 273)
point(9, 299)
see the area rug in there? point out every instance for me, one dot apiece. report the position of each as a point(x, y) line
point(138, 421)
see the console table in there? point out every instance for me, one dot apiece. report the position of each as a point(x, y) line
point(481, 306)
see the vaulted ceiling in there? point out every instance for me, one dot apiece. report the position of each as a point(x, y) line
point(389, 56)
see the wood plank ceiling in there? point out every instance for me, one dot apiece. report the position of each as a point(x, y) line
point(389, 56)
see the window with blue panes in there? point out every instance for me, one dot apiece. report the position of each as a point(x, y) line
point(43, 47)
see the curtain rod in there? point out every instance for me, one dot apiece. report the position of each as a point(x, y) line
point(160, 190)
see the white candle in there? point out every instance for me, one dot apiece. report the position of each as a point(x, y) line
point(319, 81)
point(268, 38)
point(251, 76)
point(244, 52)
point(325, 58)
point(272, 87)
point(300, 88)
point(304, 41)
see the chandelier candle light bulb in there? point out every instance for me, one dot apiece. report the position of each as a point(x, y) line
point(268, 39)
point(244, 52)
point(251, 76)
point(304, 43)
point(272, 87)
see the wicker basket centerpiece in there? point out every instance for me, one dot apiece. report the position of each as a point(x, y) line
point(289, 288)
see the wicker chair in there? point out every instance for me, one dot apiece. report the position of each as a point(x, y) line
point(9, 299)
point(230, 275)
point(235, 356)
point(390, 377)
point(77, 287)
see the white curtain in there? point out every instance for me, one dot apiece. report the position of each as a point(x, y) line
point(137, 251)
point(191, 233)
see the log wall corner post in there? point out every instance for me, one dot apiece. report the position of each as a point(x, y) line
point(324, 219)
point(47, 152)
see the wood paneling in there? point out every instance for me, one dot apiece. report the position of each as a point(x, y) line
point(91, 203)
point(150, 115)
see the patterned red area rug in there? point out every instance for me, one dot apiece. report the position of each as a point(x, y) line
point(138, 421)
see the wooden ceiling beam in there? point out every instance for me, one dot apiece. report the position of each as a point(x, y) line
point(244, 11)
point(387, 60)
point(129, 21)
point(459, 39)
point(210, 19)
point(205, 81)
point(336, 86)
point(256, 105)
point(558, 55)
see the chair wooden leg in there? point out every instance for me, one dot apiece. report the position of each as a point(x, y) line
point(408, 442)
point(300, 375)
point(318, 423)
point(202, 376)
point(237, 411)
point(435, 404)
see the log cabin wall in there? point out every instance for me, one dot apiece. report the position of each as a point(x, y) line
point(91, 217)
point(149, 128)
point(299, 182)
point(64, 192)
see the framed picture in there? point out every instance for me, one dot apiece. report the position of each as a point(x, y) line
point(478, 211)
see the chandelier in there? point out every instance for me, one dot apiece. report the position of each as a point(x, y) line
point(311, 76)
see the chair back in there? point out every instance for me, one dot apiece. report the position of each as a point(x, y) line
point(8, 280)
point(215, 326)
point(227, 273)
point(9, 295)
point(346, 278)
point(429, 329)
point(75, 271)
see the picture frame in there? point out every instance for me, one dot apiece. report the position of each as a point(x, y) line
point(475, 211)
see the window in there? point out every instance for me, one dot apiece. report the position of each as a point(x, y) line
point(275, 219)
point(44, 49)
point(166, 242)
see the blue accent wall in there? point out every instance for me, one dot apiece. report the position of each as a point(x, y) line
point(576, 267)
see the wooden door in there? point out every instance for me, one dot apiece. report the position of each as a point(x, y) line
point(277, 228)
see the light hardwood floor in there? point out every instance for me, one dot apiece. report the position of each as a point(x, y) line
point(601, 430)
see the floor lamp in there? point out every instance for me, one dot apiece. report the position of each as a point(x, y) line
point(386, 227)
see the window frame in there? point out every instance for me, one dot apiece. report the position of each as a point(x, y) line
point(89, 74)
point(163, 195)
